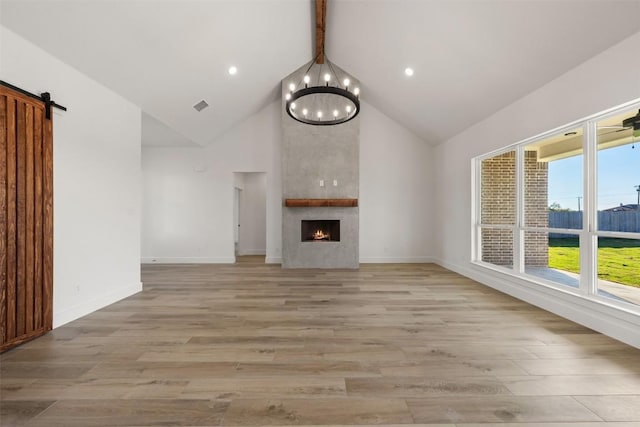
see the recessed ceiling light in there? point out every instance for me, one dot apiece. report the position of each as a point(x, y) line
point(233, 70)
point(408, 71)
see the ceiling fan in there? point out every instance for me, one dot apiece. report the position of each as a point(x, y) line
point(632, 122)
point(628, 123)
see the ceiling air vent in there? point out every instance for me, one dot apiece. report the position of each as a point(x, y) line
point(201, 105)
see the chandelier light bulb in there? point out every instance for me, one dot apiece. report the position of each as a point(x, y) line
point(293, 105)
point(307, 79)
point(335, 113)
point(319, 114)
point(304, 111)
point(287, 96)
point(348, 109)
point(346, 82)
point(356, 91)
point(327, 77)
point(292, 87)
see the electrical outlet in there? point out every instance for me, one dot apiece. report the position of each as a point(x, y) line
point(322, 183)
point(335, 182)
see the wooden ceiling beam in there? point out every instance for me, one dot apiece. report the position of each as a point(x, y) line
point(321, 16)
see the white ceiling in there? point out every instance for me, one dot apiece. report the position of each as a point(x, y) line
point(156, 133)
point(471, 58)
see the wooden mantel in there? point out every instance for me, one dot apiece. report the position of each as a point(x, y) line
point(320, 203)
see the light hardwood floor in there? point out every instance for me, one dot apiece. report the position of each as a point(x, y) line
point(252, 344)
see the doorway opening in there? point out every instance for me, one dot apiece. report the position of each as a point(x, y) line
point(250, 216)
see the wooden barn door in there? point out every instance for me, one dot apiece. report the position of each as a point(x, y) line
point(26, 218)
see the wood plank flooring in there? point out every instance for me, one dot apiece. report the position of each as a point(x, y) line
point(252, 344)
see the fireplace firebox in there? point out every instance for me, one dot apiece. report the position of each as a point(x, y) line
point(320, 230)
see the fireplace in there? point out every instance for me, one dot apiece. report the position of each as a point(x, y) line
point(320, 230)
point(334, 246)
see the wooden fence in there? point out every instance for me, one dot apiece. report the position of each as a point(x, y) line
point(627, 221)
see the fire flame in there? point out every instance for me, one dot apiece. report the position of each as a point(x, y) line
point(321, 235)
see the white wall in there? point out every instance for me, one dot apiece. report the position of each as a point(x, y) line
point(188, 193)
point(396, 187)
point(96, 181)
point(609, 79)
point(188, 215)
point(253, 214)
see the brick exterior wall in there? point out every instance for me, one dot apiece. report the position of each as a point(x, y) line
point(498, 206)
point(536, 210)
point(498, 189)
point(497, 246)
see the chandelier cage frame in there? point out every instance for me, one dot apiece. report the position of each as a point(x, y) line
point(333, 86)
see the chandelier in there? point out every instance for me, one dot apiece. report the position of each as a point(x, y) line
point(322, 96)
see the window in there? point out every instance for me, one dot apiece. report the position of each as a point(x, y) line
point(498, 208)
point(618, 208)
point(552, 169)
point(563, 209)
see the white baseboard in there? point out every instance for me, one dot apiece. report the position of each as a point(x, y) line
point(396, 260)
point(188, 260)
point(90, 305)
point(611, 321)
point(252, 252)
point(278, 260)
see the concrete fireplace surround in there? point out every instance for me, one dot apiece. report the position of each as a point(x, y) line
point(311, 154)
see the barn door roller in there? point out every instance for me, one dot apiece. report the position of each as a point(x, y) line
point(44, 97)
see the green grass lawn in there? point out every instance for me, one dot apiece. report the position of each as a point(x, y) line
point(618, 259)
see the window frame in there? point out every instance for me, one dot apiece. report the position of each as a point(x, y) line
point(589, 233)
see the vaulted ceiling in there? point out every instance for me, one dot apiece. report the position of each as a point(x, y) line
point(471, 58)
